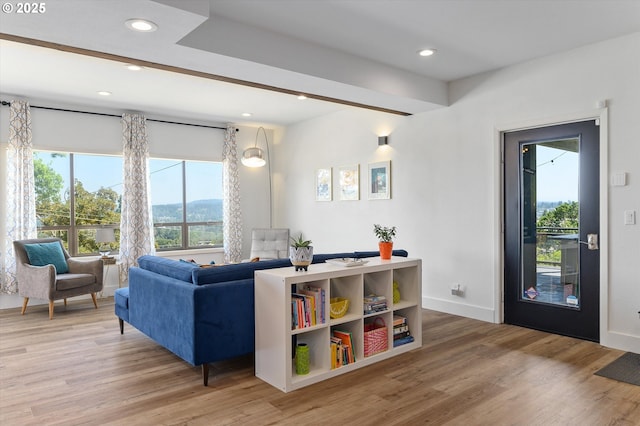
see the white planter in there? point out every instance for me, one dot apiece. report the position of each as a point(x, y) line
point(301, 257)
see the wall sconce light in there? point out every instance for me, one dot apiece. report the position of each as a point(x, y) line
point(383, 140)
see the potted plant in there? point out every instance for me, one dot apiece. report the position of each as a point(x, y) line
point(385, 240)
point(300, 253)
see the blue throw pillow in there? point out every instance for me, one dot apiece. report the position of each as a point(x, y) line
point(41, 254)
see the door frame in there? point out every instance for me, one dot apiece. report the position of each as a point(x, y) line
point(601, 115)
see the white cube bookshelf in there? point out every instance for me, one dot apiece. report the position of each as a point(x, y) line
point(274, 361)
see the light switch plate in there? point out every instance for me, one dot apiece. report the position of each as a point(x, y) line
point(619, 179)
point(629, 217)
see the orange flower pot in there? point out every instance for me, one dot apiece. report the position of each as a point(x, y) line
point(385, 250)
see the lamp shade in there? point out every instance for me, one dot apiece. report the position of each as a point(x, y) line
point(105, 235)
point(253, 157)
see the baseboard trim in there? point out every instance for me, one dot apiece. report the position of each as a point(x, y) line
point(624, 342)
point(461, 309)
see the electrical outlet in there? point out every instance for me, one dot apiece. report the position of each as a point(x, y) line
point(457, 290)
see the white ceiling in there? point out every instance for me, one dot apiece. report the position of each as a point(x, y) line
point(358, 51)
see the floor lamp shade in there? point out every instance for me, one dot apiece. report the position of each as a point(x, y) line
point(253, 157)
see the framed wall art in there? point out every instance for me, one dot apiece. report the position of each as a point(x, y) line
point(380, 180)
point(349, 180)
point(324, 190)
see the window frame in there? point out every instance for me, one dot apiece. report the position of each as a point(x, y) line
point(73, 229)
point(185, 224)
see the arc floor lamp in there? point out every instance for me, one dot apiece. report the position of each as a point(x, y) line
point(254, 157)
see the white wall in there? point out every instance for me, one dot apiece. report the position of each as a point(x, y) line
point(446, 177)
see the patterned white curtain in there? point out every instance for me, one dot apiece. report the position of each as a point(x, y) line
point(232, 214)
point(21, 198)
point(136, 223)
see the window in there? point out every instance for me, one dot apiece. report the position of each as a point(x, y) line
point(186, 198)
point(75, 215)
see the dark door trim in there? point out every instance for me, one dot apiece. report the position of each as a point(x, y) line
point(606, 338)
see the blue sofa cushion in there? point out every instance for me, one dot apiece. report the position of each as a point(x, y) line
point(121, 297)
point(171, 268)
point(322, 257)
point(41, 254)
point(237, 271)
point(361, 254)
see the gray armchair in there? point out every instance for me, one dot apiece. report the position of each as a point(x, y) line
point(43, 282)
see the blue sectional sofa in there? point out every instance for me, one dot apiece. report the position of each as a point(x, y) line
point(202, 315)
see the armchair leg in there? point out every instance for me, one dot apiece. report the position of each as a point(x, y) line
point(205, 373)
point(51, 309)
point(95, 300)
point(121, 321)
point(65, 303)
point(24, 305)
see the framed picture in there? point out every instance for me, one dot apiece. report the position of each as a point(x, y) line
point(380, 180)
point(349, 179)
point(324, 190)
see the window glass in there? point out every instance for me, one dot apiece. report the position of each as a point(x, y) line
point(166, 190)
point(189, 221)
point(52, 176)
point(95, 200)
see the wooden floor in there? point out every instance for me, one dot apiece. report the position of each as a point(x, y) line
point(78, 369)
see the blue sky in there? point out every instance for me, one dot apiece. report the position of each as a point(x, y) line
point(203, 180)
point(557, 180)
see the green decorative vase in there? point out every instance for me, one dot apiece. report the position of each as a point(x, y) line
point(396, 292)
point(302, 359)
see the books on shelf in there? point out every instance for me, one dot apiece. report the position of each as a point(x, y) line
point(373, 303)
point(399, 320)
point(401, 332)
point(307, 307)
point(402, 341)
point(342, 350)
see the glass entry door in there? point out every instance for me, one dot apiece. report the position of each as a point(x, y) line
point(551, 228)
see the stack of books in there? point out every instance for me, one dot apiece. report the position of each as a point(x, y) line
point(401, 334)
point(373, 304)
point(307, 307)
point(342, 351)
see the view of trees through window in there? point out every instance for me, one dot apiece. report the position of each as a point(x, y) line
point(186, 200)
point(555, 218)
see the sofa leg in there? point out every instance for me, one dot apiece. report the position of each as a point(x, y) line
point(24, 305)
point(121, 321)
point(95, 301)
point(65, 302)
point(51, 309)
point(205, 373)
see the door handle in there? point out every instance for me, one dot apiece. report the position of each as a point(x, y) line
point(592, 242)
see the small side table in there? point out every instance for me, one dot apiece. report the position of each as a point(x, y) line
point(110, 262)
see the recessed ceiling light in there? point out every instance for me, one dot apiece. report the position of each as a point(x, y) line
point(246, 114)
point(426, 52)
point(141, 25)
point(104, 93)
point(302, 97)
point(132, 67)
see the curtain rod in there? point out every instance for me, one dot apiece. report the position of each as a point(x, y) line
point(5, 103)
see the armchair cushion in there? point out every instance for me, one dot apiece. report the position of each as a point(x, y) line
point(41, 254)
point(69, 281)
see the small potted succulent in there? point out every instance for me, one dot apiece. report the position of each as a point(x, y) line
point(385, 240)
point(300, 253)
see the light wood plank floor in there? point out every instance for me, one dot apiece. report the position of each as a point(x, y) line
point(78, 370)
